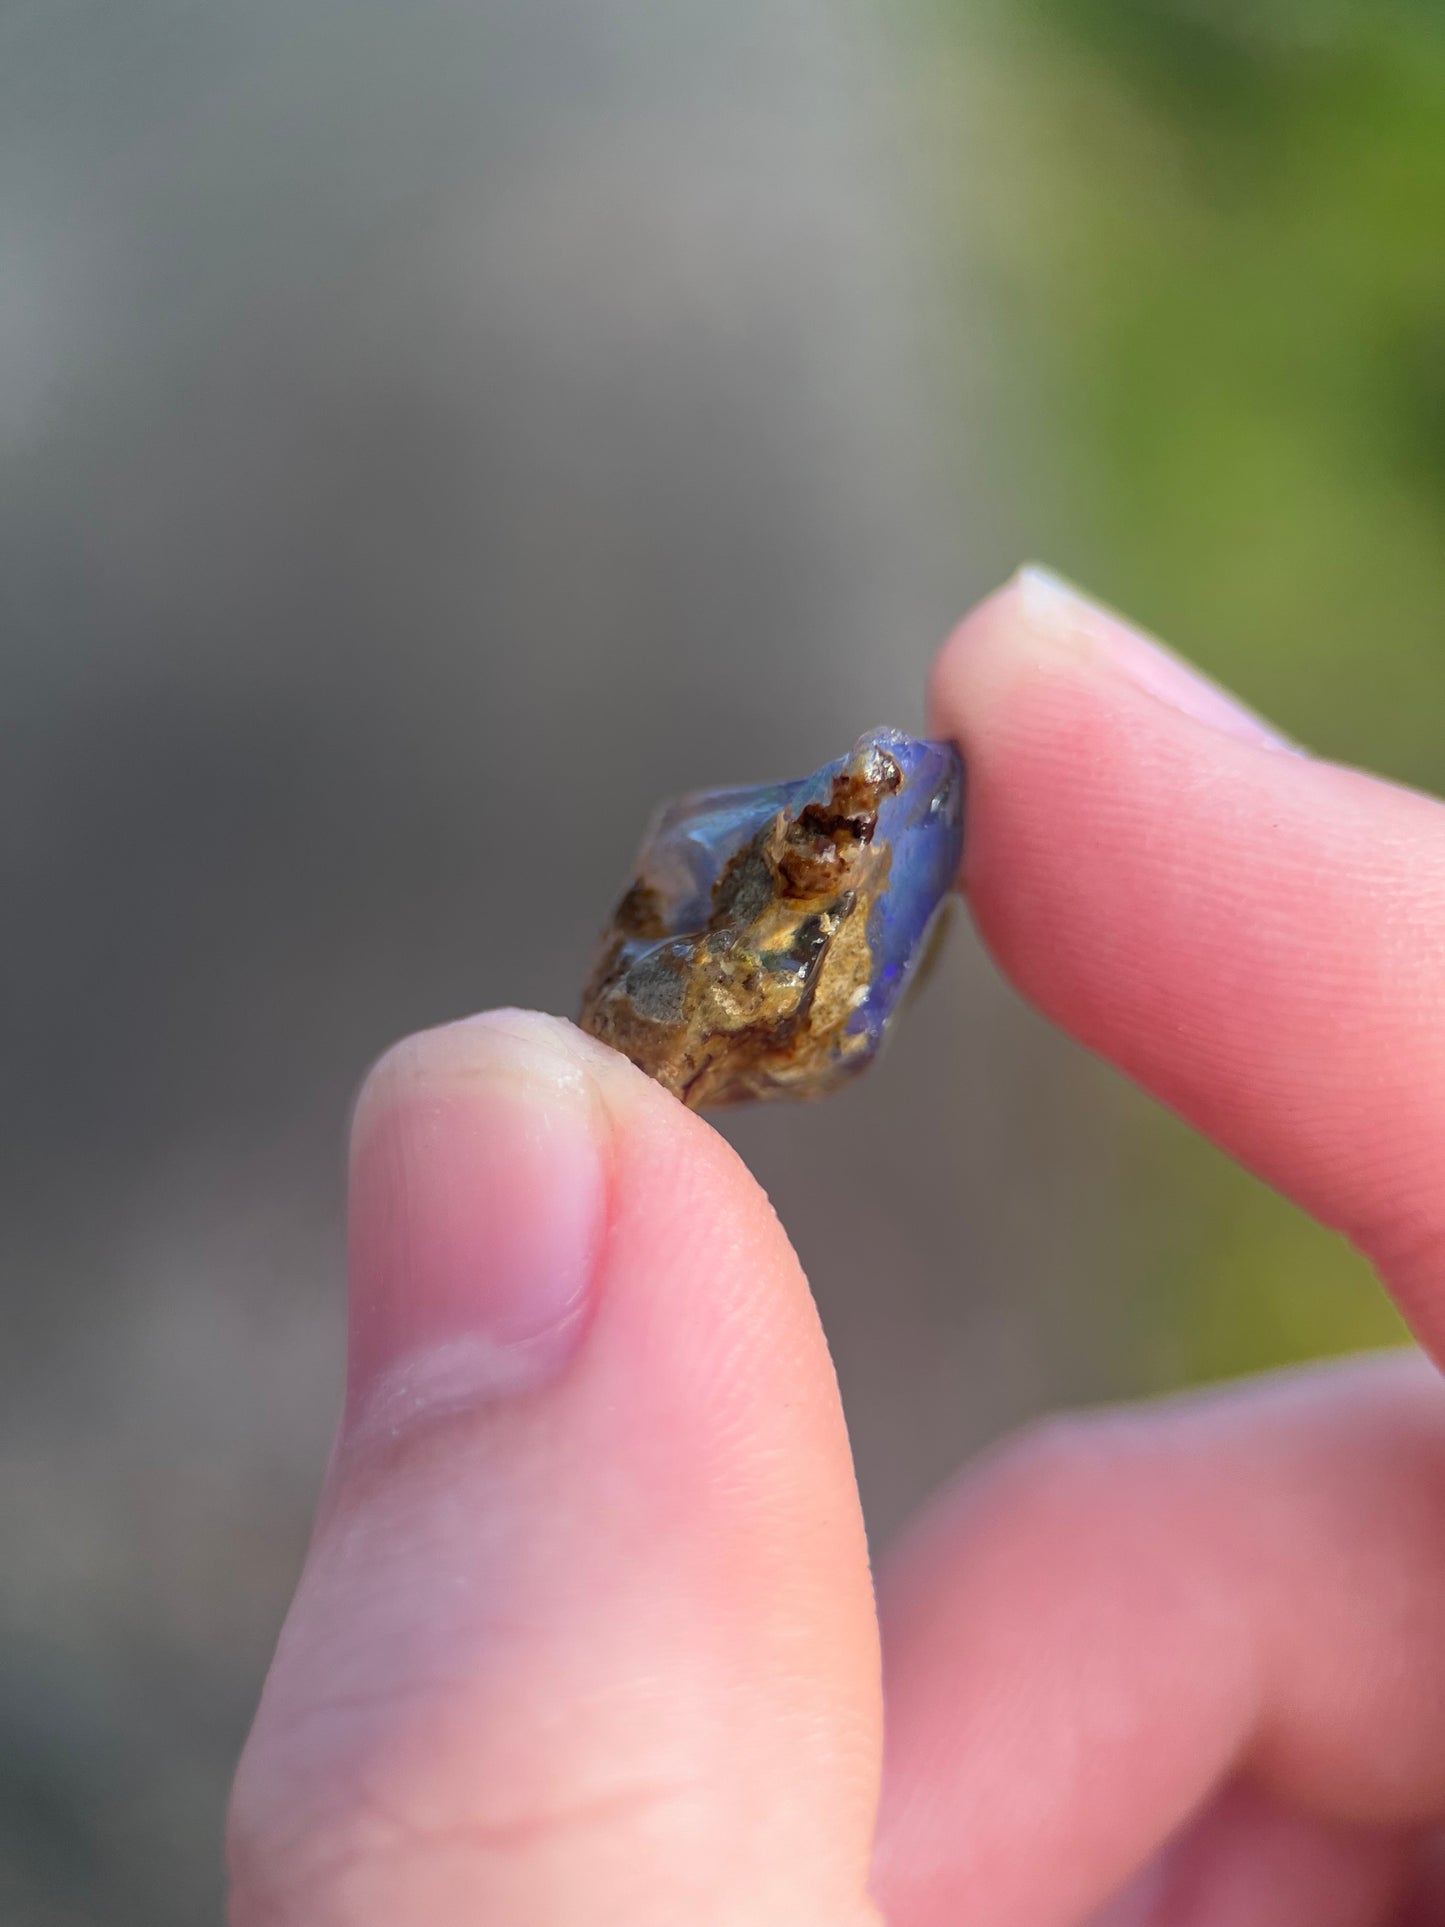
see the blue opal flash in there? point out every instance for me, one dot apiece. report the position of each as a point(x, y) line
point(767, 934)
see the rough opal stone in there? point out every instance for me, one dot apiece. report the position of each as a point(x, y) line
point(767, 935)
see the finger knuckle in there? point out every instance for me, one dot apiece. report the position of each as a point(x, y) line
point(371, 1838)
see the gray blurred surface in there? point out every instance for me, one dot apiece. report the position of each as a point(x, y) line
point(428, 435)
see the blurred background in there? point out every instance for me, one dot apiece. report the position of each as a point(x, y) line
point(430, 434)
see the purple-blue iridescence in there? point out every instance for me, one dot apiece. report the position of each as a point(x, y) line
point(921, 824)
point(692, 840)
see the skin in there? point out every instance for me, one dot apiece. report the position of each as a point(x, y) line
point(587, 1634)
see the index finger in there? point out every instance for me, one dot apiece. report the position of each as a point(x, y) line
point(1255, 936)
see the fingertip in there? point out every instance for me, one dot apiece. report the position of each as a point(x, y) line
point(495, 1162)
point(1038, 629)
point(985, 654)
point(589, 1596)
point(479, 1177)
point(1252, 936)
point(545, 1049)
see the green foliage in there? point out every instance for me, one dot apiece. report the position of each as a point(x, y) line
point(1226, 1278)
point(1213, 240)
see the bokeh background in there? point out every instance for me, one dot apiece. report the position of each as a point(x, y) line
point(430, 433)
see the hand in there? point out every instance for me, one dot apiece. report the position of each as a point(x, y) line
point(586, 1637)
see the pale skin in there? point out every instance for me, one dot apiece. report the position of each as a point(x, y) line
point(586, 1635)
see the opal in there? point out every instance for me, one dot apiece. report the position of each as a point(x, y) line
point(767, 934)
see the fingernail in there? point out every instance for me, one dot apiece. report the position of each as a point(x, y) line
point(477, 1202)
point(1057, 609)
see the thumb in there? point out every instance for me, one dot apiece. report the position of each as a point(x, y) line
point(585, 1633)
